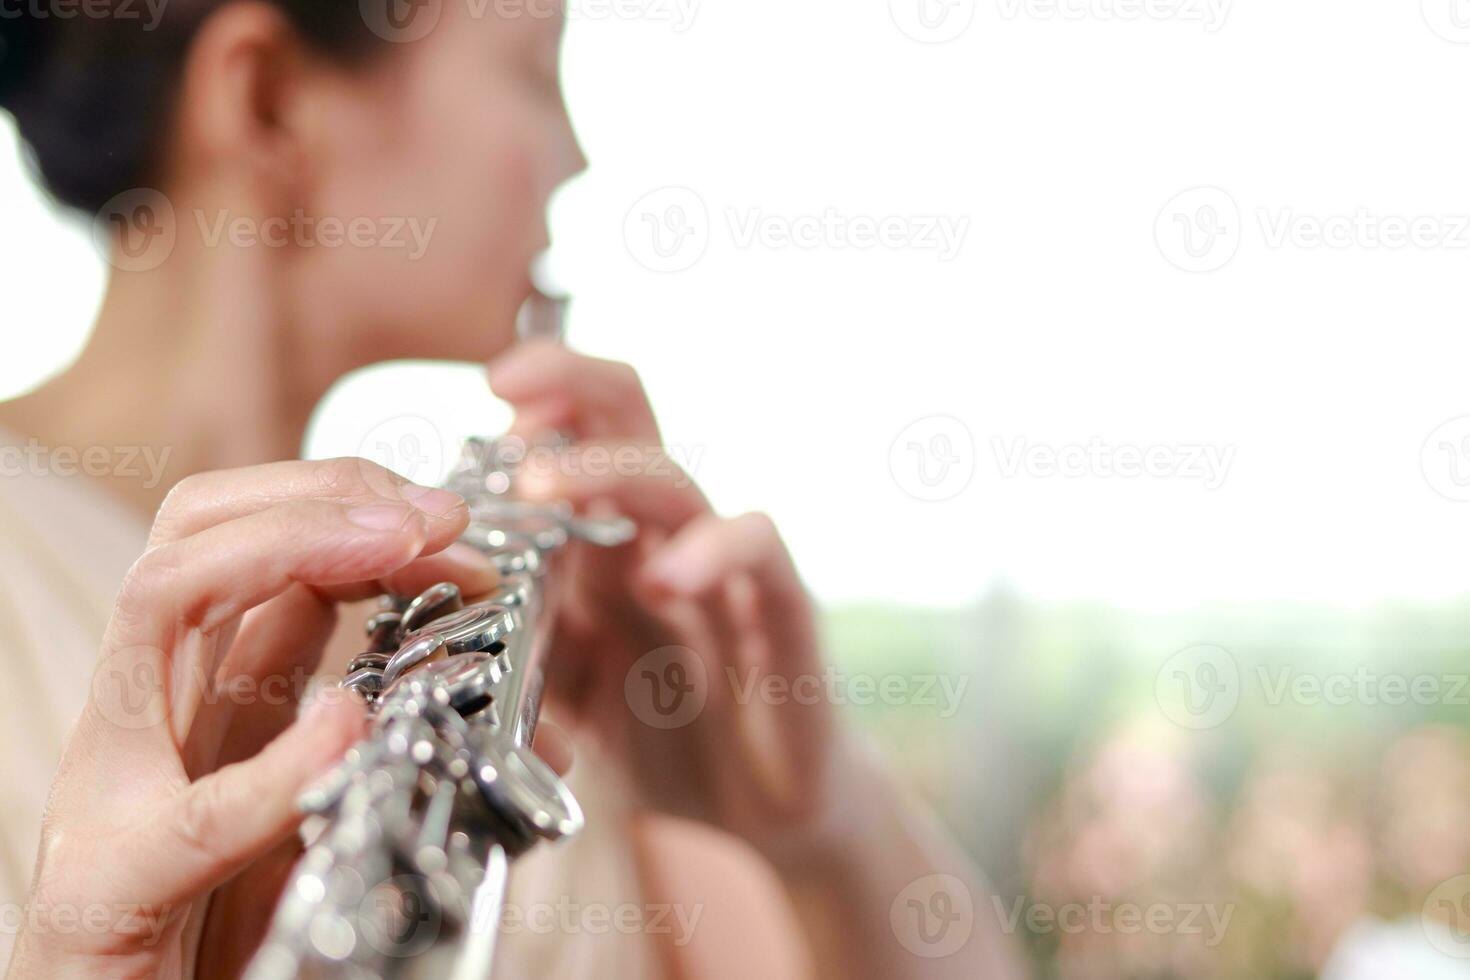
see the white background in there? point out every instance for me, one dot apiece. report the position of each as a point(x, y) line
point(1063, 140)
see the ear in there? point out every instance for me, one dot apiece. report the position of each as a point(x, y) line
point(245, 70)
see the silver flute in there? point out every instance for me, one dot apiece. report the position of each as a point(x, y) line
point(410, 840)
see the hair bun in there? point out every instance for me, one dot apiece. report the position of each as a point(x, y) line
point(24, 37)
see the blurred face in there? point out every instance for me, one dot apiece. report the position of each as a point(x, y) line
point(443, 153)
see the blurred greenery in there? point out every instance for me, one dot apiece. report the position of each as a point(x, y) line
point(1063, 775)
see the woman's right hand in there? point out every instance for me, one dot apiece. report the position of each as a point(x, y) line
point(183, 771)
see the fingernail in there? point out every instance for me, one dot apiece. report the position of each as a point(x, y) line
point(433, 501)
point(383, 518)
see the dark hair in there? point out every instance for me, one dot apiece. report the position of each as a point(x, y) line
point(92, 93)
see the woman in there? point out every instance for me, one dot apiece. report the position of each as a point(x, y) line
point(260, 125)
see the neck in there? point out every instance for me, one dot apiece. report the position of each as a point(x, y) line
point(187, 369)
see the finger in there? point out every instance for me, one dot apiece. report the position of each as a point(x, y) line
point(641, 483)
point(161, 646)
point(711, 551)
point(207, 580)
point(268, 671)
point(760, 621)
point(555, 747)
point(224, 821)
point(277, 654)
point(209, 499)
point(281, 642)
point(585, 396)
point(465, 566)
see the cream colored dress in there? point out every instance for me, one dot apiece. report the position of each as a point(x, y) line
point(65, 546)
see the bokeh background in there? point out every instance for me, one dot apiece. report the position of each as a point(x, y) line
point(1102, 360)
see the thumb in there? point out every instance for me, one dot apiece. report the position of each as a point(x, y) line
point(234, 816)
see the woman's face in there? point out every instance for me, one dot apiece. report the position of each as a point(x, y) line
point(444, 151)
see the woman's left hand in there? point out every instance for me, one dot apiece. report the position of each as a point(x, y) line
point(693, 652)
